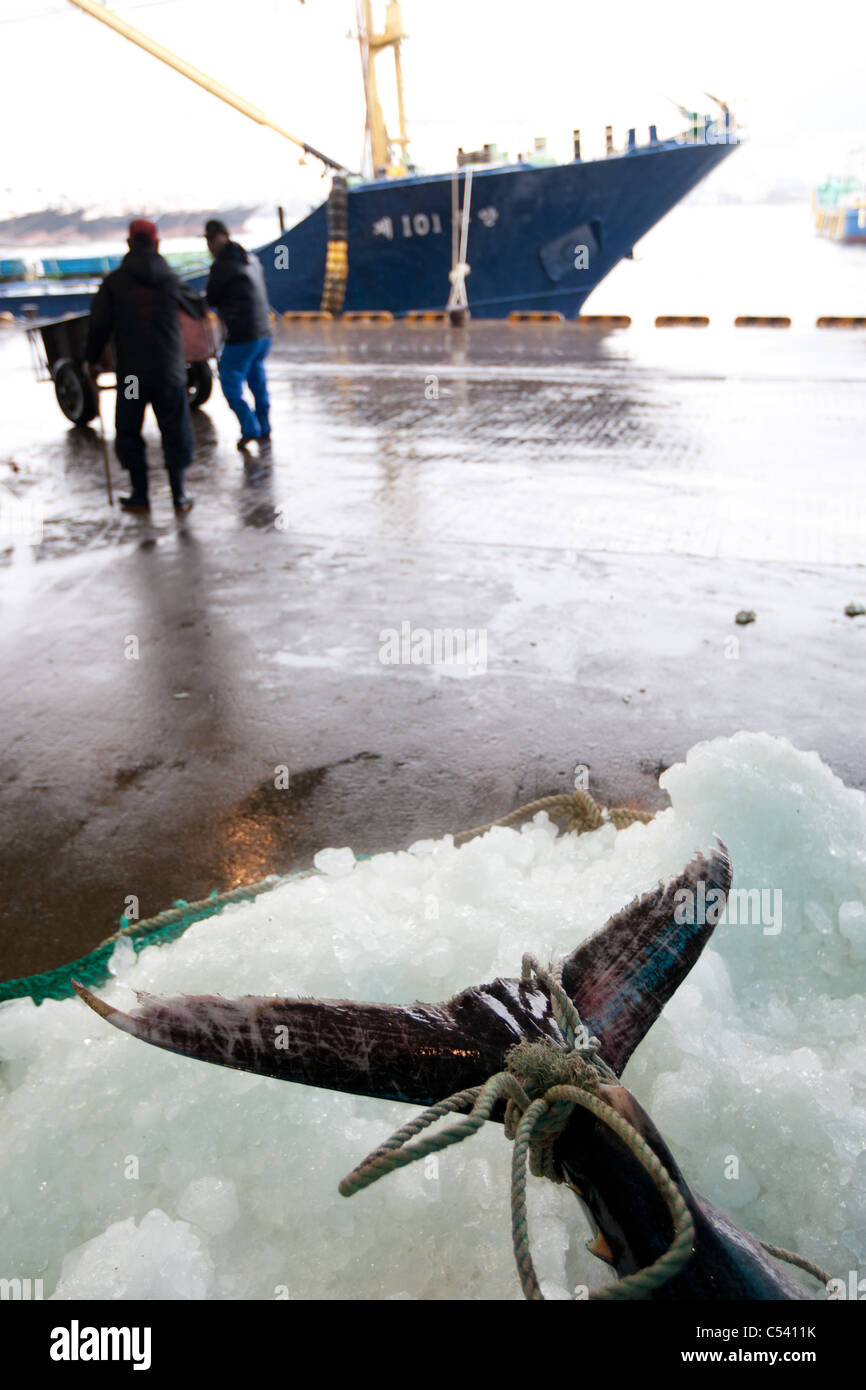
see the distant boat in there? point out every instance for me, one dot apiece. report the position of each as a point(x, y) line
point(64, 285)
point(840, 210)
point(521, 235)
point(31, 299)
point(87, 267)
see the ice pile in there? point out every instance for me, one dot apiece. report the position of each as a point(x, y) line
point(128, 1172)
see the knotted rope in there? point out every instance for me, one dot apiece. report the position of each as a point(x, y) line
point(581, 809)
point(541, 1085)
point(458, 300)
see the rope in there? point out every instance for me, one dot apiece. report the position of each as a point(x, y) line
point(792, 1258)
point(166, 926)
point(645, 1281)
point(582, 810)
point(458, 300)
point(567, 1079)
point(207, 906)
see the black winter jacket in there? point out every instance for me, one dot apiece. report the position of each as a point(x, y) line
point(138, 304)
point(236, 289)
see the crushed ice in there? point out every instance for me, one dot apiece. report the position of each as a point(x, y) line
point(128, 1172)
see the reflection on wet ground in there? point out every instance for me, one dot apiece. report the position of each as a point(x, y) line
point(598, 506)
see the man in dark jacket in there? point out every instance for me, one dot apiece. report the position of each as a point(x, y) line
point(137, 305)
point(236, 289)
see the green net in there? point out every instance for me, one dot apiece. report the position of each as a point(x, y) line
point(92, 969)
point(579, 808)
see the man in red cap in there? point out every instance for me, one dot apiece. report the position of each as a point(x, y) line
point(137, 306)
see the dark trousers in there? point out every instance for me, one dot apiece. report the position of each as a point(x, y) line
point(171, 408)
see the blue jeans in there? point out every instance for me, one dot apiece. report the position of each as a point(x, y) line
point(245, 362)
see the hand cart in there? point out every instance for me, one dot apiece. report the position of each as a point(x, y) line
point(58, 350)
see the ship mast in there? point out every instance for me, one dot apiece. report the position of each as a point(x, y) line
point(194, 74)
point(384, 155)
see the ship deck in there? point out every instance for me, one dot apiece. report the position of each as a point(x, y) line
point(599, 506)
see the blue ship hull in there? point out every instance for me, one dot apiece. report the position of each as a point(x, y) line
point(541, 236)
point(525, 227)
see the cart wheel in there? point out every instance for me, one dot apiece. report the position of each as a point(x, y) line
point(76, 395)
point(199, 383)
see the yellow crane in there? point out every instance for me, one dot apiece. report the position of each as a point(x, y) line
point(384, 158)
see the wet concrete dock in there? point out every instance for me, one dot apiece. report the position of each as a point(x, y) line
point(599, 506)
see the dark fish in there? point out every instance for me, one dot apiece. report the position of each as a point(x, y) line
point(620, 979)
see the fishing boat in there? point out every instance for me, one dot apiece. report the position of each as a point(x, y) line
point(67, 284)
point(24, 297)
point(493, 236)
point(839, 206)
point(541, 236)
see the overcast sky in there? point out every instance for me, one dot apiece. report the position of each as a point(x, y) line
point(87, 118)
